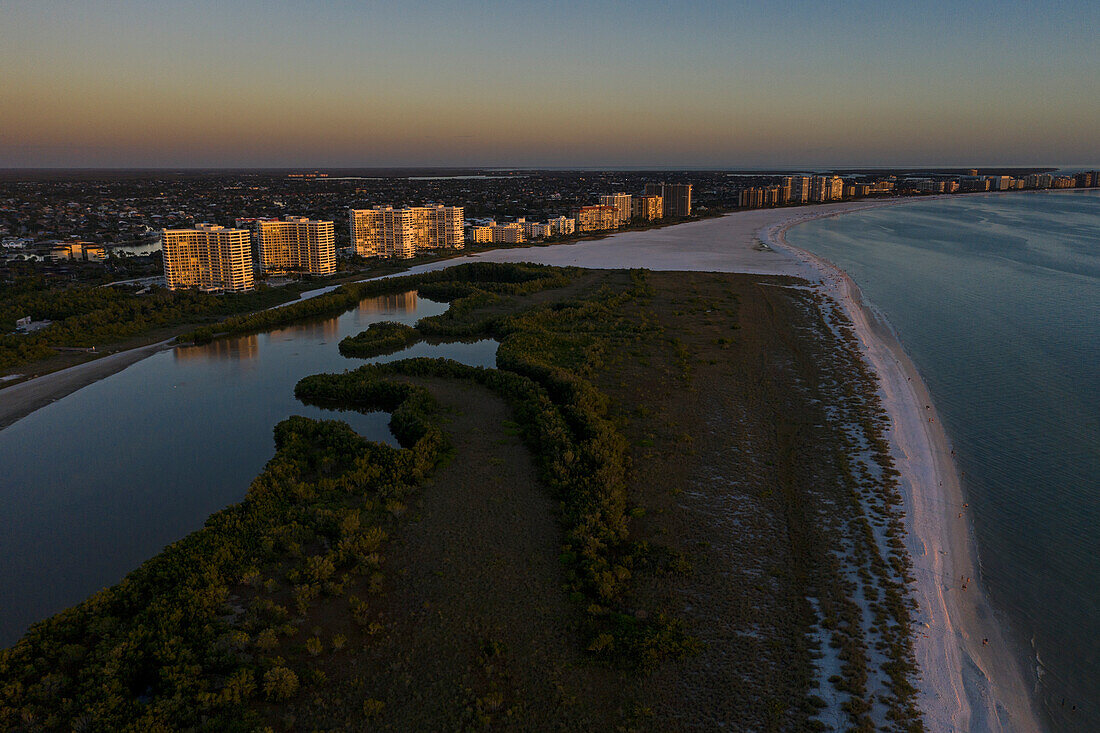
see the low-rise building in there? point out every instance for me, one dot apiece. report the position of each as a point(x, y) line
point(562, 226)
point(535, 231)
point(511, 233)
point(479, 233)
point(79, 251)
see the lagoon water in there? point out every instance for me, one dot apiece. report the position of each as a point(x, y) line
point(997, 300)
point(96, 483)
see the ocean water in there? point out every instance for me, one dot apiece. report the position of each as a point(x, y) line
point(997, 300)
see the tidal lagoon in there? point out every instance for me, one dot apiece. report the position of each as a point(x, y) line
point(99, 481)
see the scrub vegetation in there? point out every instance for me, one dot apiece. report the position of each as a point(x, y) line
point(671, 505)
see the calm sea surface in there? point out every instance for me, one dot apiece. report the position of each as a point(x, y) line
point(99, 481)
point(997, 300)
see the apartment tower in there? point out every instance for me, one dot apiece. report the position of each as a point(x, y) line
point(384, 231)
point(676, 197)
point(208, 257)
point(596, 218)
point(647, 207)
point(800, 189)
point(621, 203)
point(296, 244)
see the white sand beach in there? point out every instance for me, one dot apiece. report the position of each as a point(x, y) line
point(971, 680)
point(966, 685)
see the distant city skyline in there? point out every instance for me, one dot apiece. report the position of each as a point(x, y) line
point(610, 85)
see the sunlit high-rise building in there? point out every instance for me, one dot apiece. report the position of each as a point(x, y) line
point(647, 207)
point(785, 189)
point(621, 203)
point(296, 244)
point(208, 257)
point(596, 218)
point(384, 231)
point(800, 189)
point(836, 188)
point(676, 197)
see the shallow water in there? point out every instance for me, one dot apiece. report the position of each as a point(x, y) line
point(96, 483)
point(997, 301)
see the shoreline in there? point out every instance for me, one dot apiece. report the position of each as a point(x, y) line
point(965, 683)
point(30, 395)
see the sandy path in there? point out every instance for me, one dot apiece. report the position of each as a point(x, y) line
point(967, 684)
point(20, 400)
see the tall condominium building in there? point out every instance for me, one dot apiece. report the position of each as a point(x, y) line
point(296, 244)
point(562, 225)
point(596, 218)
point(621, 203)
point(647, 207)
point(800, 190)
point(676, 197)
point(836, 188)
point(785, 189)
point(751, 198)
point(208, 257)
point(819, 191)
point(388, 232)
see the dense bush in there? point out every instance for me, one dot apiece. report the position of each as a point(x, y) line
point(90, 316)
point(164, 648)
point(379, 338)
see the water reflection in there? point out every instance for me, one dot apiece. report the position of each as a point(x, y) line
point(240, 349)
point(166, 442)
point(390, 303)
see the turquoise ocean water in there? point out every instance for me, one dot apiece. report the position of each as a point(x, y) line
point(997, 300)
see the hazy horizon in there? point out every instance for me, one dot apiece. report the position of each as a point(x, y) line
point(637, 85)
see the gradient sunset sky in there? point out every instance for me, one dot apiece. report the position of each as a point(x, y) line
point(639, 83)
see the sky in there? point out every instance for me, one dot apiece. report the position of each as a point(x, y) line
point(199, 83)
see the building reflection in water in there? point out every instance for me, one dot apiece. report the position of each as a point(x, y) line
point(390, 303)
point(328, 329)
point(324, 329)
point(241, 348)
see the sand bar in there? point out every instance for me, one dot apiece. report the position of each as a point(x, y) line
point(20, 400)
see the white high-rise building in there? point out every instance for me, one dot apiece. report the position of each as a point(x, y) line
point(296, 244)
point(621, 203)
point(208, 257)
point(388, 232)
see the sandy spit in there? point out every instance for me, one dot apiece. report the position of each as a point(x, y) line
point(970, 678)
point(20, 400)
